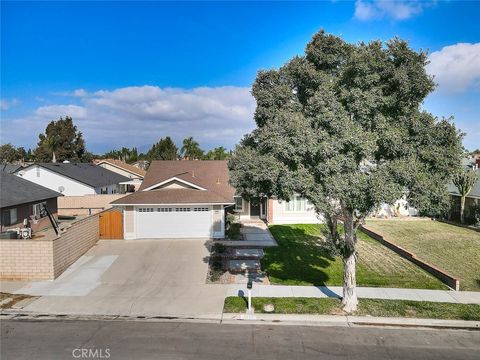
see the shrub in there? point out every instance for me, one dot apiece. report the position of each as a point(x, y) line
point(219, 248)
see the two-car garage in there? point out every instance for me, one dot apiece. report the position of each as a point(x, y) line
point(173, 222)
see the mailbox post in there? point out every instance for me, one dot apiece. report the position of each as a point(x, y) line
point(249, 287)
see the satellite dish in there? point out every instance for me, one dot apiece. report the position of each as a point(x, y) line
point(61, 189)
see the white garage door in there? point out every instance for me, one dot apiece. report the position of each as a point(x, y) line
point(173, 222)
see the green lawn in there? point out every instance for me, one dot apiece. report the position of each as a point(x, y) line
point(451, 248)
point(372, 307)
point(299, 260)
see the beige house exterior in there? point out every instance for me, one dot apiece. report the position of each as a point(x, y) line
point(134, 173)
point(296, 211)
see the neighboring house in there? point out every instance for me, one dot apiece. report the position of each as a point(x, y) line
point(74, 179)
point(472, 200)
point(399, 208)
point(141, 164)
point(189, 198)
point(134, 173)
point(21, 199)
point(10, 168)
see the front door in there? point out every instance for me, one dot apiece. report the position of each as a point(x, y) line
point(254, 209)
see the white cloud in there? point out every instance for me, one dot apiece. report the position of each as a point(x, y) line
point(140, 115)
point(366, 10)
point(8, 104)
point(456, 67)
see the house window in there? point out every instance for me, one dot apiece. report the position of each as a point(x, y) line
point(238, 203)
point(9, 217)
point(182, 209)
point(201, 209)
point(296, 204)
point(37, 210)
point(104, 190)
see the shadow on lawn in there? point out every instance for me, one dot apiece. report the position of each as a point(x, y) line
point(298, 258)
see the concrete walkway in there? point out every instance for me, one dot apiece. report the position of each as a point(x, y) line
point(255, 233)
point(450, 296)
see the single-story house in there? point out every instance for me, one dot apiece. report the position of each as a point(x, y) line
point(74, 179)
point(189, 199)
point(21, 199)
point(134, 173)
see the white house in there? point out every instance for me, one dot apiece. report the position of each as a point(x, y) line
point(135, 174)
point(74, 179)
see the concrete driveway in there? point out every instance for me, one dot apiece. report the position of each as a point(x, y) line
point(134, 278)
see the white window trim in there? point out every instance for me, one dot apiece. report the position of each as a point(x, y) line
point(294, 203)
point(235, 206)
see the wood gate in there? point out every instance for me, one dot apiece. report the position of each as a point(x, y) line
point(111, 225)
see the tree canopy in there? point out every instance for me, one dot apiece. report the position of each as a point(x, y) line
point(164, 149)
point(191, 149)
point(218, 153)
point(61, 141)
point(343, 126)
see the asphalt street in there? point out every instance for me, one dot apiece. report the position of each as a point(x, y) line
point(57, 339)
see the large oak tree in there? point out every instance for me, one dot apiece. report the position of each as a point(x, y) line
point(343, 126)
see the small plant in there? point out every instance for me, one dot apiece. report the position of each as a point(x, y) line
point(230, 219)
point(219, 248)
point(233, 231)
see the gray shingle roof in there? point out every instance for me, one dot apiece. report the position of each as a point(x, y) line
point(15, 191)
point(86, 173)
point(10, 168)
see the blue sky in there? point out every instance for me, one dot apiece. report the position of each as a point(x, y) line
point(130, 73)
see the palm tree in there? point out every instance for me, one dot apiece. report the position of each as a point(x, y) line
point(464, 180)
point(52, 145)
point(191, 149)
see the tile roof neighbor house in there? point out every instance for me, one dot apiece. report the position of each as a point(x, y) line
point(21, 199)
point(74, 179)
point(189, 199)
point(134, 173)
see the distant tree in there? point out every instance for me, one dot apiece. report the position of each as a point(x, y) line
point(124, 154)
point(191, 149)
point(218, 153)
point(464, 180)
point(8, 153)
point(343, 127)
point(165, 149)
point(61, 141)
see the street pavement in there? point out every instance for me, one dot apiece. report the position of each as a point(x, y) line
point(59, 339)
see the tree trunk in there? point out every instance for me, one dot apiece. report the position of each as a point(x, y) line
point(349, 300)
point(462, 209)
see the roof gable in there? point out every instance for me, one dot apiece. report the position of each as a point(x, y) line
point(124, 166)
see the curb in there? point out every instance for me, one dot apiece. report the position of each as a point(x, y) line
point(348, 321)
point(260, 319)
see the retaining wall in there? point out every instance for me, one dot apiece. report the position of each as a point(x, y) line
point(440, 274)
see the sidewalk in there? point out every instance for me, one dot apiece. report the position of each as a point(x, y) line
point(450, 296)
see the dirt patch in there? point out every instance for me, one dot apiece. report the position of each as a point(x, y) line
point(8, 300)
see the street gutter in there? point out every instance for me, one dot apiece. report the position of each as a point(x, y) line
point(261, 319)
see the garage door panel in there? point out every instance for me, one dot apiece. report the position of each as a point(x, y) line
point(175, 224)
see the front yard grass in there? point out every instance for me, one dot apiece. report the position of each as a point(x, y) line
point(451, 248)
point(371, 307)
point(300, 260)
